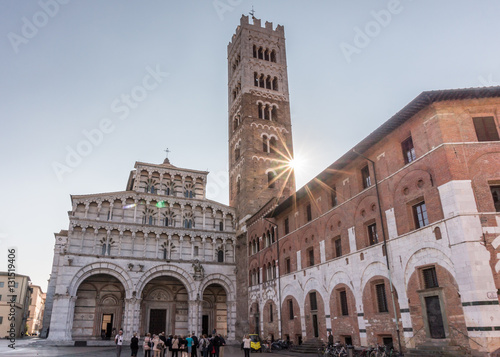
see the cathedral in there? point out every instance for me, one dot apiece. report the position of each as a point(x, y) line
point(397, 242)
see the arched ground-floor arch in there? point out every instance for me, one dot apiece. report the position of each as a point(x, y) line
point(98, 310)
point(164, 307)
point(344, 315)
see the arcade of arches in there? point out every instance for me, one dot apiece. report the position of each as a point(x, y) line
point(100, 308)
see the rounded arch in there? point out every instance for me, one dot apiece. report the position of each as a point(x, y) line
point(376, 268)
point(341, 277)
point(101, 268)
point(312, 284)
point(427, 255)
point(223, 281)
point(167, 270)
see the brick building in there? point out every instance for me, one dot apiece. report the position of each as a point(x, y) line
point(427, 182)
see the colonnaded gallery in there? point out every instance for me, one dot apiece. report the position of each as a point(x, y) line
point(397, 241)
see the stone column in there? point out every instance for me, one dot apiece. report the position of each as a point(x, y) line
point(61, 322)
point(131, 318)
point(231, 320)
point(84, 229)
point(181, 242)
point(193, 316)
point(120, 240)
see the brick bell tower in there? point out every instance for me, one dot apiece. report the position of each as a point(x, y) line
point(260, 130)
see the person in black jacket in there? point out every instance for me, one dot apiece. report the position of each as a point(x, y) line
point(195, 345)
point(217, 342)
point(134, 345)
point(162, 337)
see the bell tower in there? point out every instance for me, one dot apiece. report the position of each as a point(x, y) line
point(260, 130)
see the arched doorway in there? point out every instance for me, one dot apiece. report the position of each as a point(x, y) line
point(98, 308)
point(214, 310)
point(164, 307)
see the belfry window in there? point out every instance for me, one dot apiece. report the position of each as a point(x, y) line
point(275, 83)
point(220, 256)
point(271, 179)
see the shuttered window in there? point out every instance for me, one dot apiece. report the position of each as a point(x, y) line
point(343, 303)
point(381, 298)
point(430, 278)
point(290, 309)
point(313, 301)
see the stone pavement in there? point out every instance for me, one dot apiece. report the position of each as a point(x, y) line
point(37, 347)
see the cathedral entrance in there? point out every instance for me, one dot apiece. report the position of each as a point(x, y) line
point(98, 308)
point(215, 309)
point(157, 321)
point(164, 307)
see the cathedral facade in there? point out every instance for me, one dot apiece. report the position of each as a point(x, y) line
point(156, 257)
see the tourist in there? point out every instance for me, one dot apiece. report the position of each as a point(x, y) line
point(157, 346)
point(330, 339)
point(221, 346)
point(164, 340)
point(147, 345)
point(184, 349)
point(195, 345)
point(134, 345)
point(246, 346)
point(119, 343)
point(175, 346)
point(189, 345)
point(204, 345)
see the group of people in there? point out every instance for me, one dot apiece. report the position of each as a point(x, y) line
point(178, 345)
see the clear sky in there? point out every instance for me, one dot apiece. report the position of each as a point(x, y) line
point(68, 67)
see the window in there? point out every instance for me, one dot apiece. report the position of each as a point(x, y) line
point(372, 234)
point(16, 285)
point(420, 215)
point(343, 303)
point(365, 175)
point(221, 226)
point(287, 226)
point(164, 253)
point(288, 266)
point(313, 301)
point(338, 247)
point(310, 254)
point(290, 309)
point(333, 196)
point(430, 278)
point(1, 320)
point(271, 179)
point(188, 223)
point(381, 298)
point(220, 256)
point(1, 298)
point(238, 185)
point(486, 129)
point(196, 251)
point(270, 312)
point(150, 220)
point(103, 250)
point(272, 145)
point(264, 144)
point(408, 150)
point(165, 221)
point(308, 213)
point(1, 284)
point(495, 193)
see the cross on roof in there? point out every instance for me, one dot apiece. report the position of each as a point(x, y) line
point(167, 151)
point(252, 12)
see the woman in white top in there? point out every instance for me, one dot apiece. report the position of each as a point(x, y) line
point(246, 345)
